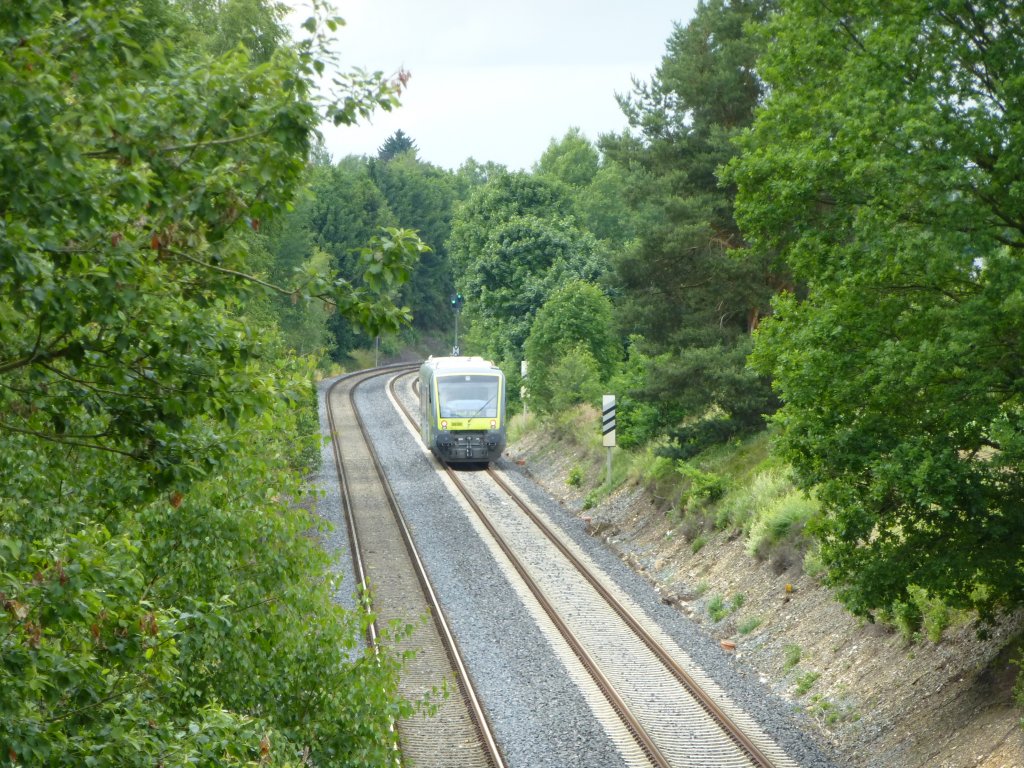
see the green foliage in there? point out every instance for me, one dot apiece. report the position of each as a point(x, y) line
point(805, 682)
point(396, 144)
point(686, 286)
point(1018, 686)
point(698, 544)
point(936, 616)
point(900, 366)
point(421, 197)
point(717, 608)
point(749, 625)
point(781, 520)
point(748, 502)
point(161, 598)
point(572, 349)
point(702, 487)
point(513, 243)
point(573, 160)
point(575, 477)
point(921, 612)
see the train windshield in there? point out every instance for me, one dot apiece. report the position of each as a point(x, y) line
point(468, 396)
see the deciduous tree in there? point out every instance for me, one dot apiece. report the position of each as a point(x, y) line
point(158, 601)
point(886, 167)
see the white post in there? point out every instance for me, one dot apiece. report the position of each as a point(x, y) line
point(608, 430)
point(522, 390)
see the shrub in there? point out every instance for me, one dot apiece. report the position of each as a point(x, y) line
point(698, 544)
point(781, 520)
point(703, 487)
point(717, 609)
point(575, 477)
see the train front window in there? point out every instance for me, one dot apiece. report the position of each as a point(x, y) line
point(468, 396)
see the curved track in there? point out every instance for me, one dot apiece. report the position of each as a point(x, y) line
point(389, 570)
point(676, 716)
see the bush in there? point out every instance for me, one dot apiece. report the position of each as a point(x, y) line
point(703, 487)
point(738, 509)
point(780, 521)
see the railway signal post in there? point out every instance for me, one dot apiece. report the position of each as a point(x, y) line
point(608, 429)
point(457, 308)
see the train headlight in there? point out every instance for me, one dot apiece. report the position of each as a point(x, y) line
point(494, 424)
point(444, 425)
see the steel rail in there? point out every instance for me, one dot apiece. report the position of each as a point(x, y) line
point(462, 677)
point(728, 726)
point(706, 702)
point(464, 682)
point(592, 667)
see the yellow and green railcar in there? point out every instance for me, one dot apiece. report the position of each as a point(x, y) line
point(462, 409)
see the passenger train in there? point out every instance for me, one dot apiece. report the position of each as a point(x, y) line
point(462, 409)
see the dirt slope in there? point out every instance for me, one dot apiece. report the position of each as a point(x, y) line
point(878, 700)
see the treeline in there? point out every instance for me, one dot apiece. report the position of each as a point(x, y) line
point(813, 221)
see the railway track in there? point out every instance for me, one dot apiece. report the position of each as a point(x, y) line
point(389, 569)
point(674, 715)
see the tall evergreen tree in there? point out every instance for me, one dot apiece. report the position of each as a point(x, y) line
point(421, 197)
point(690, 290)
point(396, 144)
point(347, 210)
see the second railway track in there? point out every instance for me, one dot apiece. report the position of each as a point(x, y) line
point(387, 565)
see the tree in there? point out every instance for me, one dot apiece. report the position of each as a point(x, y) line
point(157, 588)
point(575, 322)
point(421, 197)
point(513, 243)
point(395, 145)
point(347, 209)
point(690, 290)
point(573, 160)
point(886, 176)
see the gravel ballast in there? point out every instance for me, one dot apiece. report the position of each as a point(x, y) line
point(539, 714)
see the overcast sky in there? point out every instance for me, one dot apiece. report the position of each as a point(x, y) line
point(497, 80)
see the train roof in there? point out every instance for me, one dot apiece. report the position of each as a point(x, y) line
point(458, 364)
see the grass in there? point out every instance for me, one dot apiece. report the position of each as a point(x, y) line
point(749, 625)
point(719, 608)
point(805, 682)
point(739, 487)
point(779, 521)
point(792, 654)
